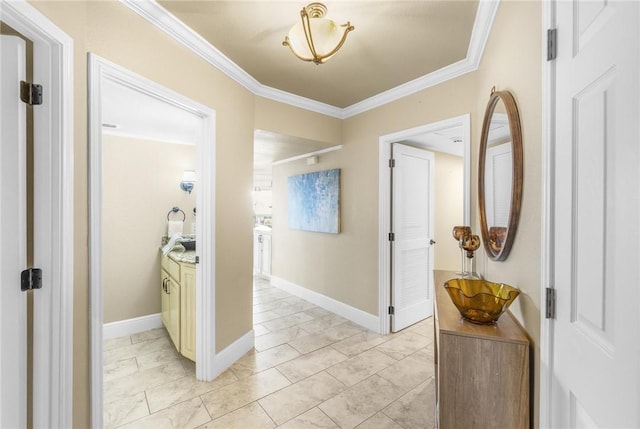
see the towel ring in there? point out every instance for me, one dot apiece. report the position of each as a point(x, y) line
point(176, 210)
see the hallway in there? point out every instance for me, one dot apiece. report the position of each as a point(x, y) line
point(310, 369)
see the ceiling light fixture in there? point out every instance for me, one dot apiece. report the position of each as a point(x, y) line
point(316, 38)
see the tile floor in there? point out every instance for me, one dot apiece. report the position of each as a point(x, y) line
point(310, 369)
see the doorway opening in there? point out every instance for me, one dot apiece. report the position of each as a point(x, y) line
point(104, 79)
point(451, 137)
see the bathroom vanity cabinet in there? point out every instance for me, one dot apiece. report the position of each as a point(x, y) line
point(482, 371)
point(178, 298)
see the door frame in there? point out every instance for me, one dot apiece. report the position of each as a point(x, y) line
point(100, 70)
point(547, 209)
point(53, 219)
point(384, 201)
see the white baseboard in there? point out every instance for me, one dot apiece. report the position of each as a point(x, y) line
point(131, 326)
point(355, 315)
point(233, 352)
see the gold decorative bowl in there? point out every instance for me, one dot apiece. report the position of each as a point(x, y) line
point(480, 301)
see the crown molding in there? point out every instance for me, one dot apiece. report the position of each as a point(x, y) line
point(165, 21)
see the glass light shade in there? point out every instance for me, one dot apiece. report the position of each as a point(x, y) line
point(316, 38)
point(326, 36)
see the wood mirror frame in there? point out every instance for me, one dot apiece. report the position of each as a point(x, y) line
point(498, 241)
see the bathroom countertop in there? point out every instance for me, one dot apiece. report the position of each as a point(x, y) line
point(178, 254)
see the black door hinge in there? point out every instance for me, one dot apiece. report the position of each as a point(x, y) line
point(392, 236)
point(197, 259)
point(550, 306)
point(552, 44)
point(30, 279)
point(31, 93)
point(391, 310)
point(392, 163)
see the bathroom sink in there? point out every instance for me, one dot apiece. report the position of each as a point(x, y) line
point(189, 244)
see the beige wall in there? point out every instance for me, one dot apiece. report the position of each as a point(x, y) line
point(140, 185)
point(449, 210)
point(513, 61)
point(117, 34)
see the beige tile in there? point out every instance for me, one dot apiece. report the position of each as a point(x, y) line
point(300, 397)
point(161, 356)
point(125, 410)
point(308, 343)
point(360, 342)
point(186, 415)
point(133, 350)
point(142, 380)
point(229, 398)
point(312, 419)
point(269, 295)
point(311, 363)
point(328, 336)
point(286, 321)
point(189, 366)
point(250, 416)
point(114, 343)
point(404, 344)
point(416, 409)
point(292, 307)
point(265, 316)
point(409, 372)
point(319, 325)
point(121, 368)
point(259, 329)
point(379, 421)
point(277, 338)
point(184, 388)
point(319, 313)
point(355, 405)
point(149, 335)
point(254, 362)
point(357, 368)
point(424, 328)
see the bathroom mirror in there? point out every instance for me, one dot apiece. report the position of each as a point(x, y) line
point(500, 174)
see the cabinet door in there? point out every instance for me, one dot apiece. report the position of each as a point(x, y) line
point(164, 297)
point(188, 312)
point(174, 312)
point(257, 253)
point(266, 256)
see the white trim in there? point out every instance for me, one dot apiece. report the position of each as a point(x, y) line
point(546, 246)
point(99, 70)
point(307, 155)
point(384, 200)
point(355, 315)
point(131, 326)
point(230, 354)
point(165, 21)
point(53, 193)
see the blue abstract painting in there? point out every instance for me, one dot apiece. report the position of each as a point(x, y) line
point(313, 201)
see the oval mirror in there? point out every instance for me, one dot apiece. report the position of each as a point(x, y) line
point(500, 174)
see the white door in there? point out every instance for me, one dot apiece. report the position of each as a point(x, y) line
point(13, 304)
point(595, 374)
point(412, 227)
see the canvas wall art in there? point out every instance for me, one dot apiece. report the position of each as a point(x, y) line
point(313, 201)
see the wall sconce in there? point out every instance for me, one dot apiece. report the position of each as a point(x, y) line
point(188, 180)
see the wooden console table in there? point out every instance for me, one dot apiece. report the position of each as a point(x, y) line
point(482, 371)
